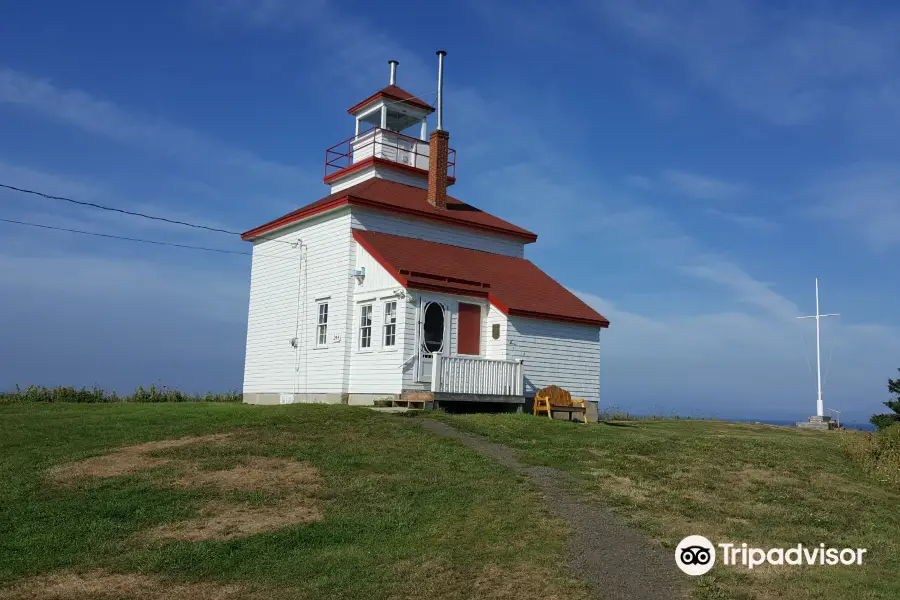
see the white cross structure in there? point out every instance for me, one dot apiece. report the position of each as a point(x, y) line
point(820, 408)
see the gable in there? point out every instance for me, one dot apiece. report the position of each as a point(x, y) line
point(514, 285)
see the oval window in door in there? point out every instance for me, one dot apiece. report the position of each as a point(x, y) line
point(433, 328)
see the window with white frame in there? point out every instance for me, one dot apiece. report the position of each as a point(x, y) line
point(322, 325)
point(365, 326)
point(390, 323)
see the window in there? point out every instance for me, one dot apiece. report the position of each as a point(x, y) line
point(322, 325)
point(390, 323)
point(365, 326)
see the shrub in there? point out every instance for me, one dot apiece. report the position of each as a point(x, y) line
point(34, 393)
point(878, 453)
point(614, 413)
point(887, 419)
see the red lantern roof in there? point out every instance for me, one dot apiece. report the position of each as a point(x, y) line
point(394, 94)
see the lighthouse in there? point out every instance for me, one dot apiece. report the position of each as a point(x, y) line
point(388, 289)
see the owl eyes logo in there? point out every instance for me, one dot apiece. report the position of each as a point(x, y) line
point(695, 555)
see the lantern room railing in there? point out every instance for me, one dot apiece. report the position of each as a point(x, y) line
point(384, 144)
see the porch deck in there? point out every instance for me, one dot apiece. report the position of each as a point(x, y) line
point(459, 380)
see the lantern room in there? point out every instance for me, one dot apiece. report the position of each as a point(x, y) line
point(390, 141)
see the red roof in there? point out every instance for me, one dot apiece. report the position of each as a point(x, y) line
point(392, 92)
point(514, 285)
point(382, 194)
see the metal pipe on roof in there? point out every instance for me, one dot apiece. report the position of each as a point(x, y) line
point(393, 64)
point(440, 91)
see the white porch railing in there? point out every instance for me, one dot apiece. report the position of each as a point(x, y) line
point(470, 375)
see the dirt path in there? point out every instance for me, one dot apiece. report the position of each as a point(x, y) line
point(617, 562)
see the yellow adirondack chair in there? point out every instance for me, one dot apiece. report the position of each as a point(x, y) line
point(556, 398)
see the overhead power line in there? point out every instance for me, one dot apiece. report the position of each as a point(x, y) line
point(118, 210)
point(124, 238)
point(268, 238)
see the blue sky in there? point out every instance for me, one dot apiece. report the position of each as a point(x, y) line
point(689, 170)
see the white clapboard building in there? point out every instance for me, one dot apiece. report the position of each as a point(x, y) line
point(389, 289)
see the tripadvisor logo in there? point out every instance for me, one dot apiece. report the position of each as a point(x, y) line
point(696, 555)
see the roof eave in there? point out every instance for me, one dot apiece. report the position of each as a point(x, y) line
point(602, 322)
point(293, 218)
point(381, 94)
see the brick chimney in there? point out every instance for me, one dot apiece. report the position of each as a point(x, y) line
point(439, 143)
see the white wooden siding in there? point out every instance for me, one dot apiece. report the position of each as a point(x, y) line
point(373, 220)
point(377, 278)
point(494, 349)
point(556, 353)
point(414, 180)
point(282, 295)
point(409, 345)
point(377, 370)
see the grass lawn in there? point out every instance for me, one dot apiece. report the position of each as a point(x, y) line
point(730, 482)
point(384, 509)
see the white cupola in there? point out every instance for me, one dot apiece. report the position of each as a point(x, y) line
point(381, 145)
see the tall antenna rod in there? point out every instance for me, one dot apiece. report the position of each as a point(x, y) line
point(440, 92)
point(820, 408)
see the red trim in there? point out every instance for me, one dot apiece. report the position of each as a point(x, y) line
point(354, 201)
point(548, 317)
point(446, 289)
point(496, 302)
point(412, 101)
point(294, 217)
point(353, 168)
point(379, 162)
point(380, 259)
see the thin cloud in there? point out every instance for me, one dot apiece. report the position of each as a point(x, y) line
point(760, 361)
point(785, 66)
point(58, 213)
point(50, 183)
point(106, 119)
point(745, 221)
point(864, 200)
point(745, 288)
point(701, 187)
point(583, 208)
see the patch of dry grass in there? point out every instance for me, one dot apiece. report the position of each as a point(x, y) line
point(220, 520)
point(292, 484)
point(489, 582)
point(257, 474)
point(127, 459)
point(101, 585)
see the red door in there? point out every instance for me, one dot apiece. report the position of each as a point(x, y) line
point(468, 330)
